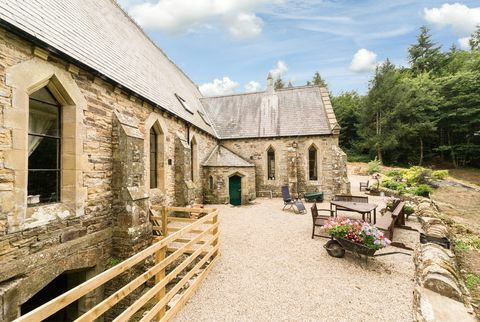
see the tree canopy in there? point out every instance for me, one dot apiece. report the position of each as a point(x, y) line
point(426, 112)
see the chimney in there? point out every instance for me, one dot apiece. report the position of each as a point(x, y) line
point(270, 83)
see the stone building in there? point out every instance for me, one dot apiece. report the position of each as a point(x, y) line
point(97, 124)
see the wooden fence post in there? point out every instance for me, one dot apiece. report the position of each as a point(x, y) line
point(160, 256)
point(215, 231)
point(164, 221)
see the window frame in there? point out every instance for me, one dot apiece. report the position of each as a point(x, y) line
point(312, 171)
point(211, 183)
point(24, 79)
point(271, 164)
point(58, 138)
point(184, 103)
point(193, 159)
point(153, 133)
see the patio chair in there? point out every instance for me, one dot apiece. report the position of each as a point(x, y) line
point(295, 204)
point(364, 185)
point(320, 220)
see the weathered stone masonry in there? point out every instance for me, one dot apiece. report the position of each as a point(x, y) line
point(77, 235)
point(105, 97)
point(291, 164)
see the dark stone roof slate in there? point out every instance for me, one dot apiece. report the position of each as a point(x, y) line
point(287, 112)
point(99, 34)
point(223, 157)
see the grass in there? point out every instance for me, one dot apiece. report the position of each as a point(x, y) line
point(467, 243)
point(472, 281)
point(471, 175)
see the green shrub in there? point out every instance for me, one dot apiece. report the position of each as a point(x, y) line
point(439, 174)
point(408, 210)
point(373, 166)
point(393, 184)
point(394, 173)
point(416, 175)
point(423, 190)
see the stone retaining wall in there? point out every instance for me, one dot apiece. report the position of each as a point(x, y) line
point(439, 294)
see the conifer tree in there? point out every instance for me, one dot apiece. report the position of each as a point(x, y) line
point(475, 39)
point(318, 80)
point(424, 56)
point(279, 84)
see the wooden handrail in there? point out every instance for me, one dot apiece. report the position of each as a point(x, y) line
point(74, 294)
point(113, 299)
point(132, 309)
point(185, 209)
point(177, 287)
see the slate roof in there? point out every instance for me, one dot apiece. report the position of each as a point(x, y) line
point(287, 112)
point(99, 34)
point(223, 157)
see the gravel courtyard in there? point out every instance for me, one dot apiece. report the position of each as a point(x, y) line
point(270, 269)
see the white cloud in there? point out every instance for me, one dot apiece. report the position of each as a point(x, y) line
point(217, 87)
point(246, 25)
point(178, 16)
point(464, 43)
point(280, 69)
point(363, 61)
point(461, 18)
point(252, 86)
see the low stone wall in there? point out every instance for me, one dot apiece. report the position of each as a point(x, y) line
point(439, 294)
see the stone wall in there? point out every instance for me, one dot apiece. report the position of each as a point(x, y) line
point(291, 163)
point(77, 232)
point(220, 193)
point(439, 294)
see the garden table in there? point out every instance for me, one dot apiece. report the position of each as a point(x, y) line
point(360, 207)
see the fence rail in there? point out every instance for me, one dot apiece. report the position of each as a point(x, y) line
point(198, 238)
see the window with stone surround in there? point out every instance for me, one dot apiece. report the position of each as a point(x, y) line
point(153, 159)
point(154, 144)
point(210, 183)
point(271, 163)
point(312, 163)
point(44, 142)
point(46, 121)
point(194, 159)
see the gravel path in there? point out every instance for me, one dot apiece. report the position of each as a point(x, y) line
point(270, 269)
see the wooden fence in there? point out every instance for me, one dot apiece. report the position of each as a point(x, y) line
point(198, 238)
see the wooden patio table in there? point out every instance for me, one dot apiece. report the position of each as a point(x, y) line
point(360, 207)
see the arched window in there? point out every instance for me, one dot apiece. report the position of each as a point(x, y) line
point(153, 159)
point(44, 142)
point(312, 163)
point(194, 159)
point(271, 163)
point(210, 183)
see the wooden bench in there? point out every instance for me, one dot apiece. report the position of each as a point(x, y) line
point(390, 219)
point(313, 196)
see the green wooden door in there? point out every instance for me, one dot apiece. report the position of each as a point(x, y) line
point(235, 190)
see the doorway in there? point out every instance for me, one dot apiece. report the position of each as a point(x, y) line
point(58, 286)
point(235, 190)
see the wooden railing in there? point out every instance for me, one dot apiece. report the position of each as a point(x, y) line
point(197, 238)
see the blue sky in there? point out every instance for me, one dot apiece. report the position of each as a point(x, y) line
point(228, 46)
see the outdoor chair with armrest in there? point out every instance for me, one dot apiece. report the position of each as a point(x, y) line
point(293, 203)
point(319, 220)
